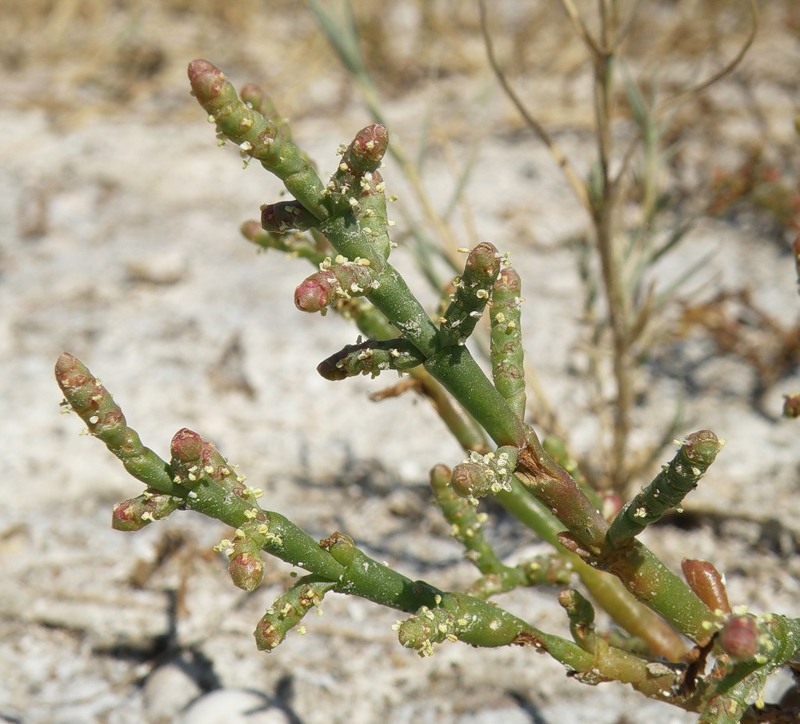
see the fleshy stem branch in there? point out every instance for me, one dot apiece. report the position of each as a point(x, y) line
point(336, 207)
point(199, 478)
point(451, 363)
point(642, 573)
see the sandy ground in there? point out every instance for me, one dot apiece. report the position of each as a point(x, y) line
point(120, 244)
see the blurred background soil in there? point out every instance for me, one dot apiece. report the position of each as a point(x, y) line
point(120, 244)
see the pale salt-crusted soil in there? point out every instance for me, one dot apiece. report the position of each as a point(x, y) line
point(120, 245)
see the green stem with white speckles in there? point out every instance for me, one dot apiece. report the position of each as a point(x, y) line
point(104, 419)
point(288, 610)
point(259, 137)
point(667, 490)
point(507, 356)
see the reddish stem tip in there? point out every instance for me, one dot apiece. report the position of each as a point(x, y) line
point(206, 79)
point(71, 372)
point(312, 295)
point(186, 445)
point(371, 142)
point(739, 637)
point(509, 279)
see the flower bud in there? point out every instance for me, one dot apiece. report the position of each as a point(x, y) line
point(739, 637)
point(246, 566)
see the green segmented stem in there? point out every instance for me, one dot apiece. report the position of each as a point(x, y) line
point(543, 570)
point(337, 207)
point(605, 588)
point(104, 419)
point(390, 293)
point(257, 136)
point(363, 576)
point(458, 372)
point(507, 356)
point(655, 585)
point(477, 622)
point(467, 528)
point(455, 369)
point(200, 478)
point(218, 491)
point(474, 621)
point(289, 609)
point(581, 618)
point(641, 572)
point(458, 616)
point(355, 193)
point(472, 292)
point(370, 358)
point(675, 481)
point(466, 523)
point(371, 213)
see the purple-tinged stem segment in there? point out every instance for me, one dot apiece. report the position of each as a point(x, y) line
point(707, 583)
point(739, 637)
point(370, 358)
point(554, 446)
point(552, 485)
point(340, 281)
point(246, 566)
point(366, 151)
point(138, 512)
point(286, 216)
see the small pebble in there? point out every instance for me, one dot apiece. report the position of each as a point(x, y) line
point(162, 270)
point(234, 706)
point(168, 690)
